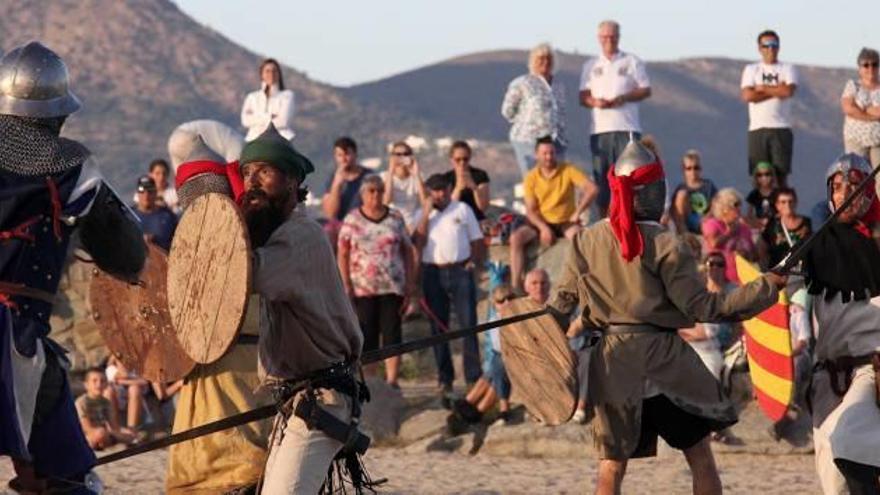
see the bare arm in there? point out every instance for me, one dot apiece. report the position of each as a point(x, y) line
point(633, 96)
point(343, 256)
point(477, 252)
point(332, 201)
point(781, 91)
point(534, 215)
point(680, 211)
point(850, 109)
point(388, 195)
point(481, 196)
point(588, 194)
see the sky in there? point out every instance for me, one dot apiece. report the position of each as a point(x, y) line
point(355, 41)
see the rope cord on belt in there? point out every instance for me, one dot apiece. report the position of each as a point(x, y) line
point(268, 411)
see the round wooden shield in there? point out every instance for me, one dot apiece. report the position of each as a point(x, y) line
point(539, 363)
point(135, 323)
point(209, 271)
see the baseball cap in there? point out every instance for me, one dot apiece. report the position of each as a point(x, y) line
point(145, 184)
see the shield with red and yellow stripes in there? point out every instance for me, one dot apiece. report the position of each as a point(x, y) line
point(768, 345)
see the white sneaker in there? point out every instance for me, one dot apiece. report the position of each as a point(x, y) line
point(579, 417)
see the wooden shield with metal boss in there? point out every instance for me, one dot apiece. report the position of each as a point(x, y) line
point(135, 323)
point(539, 363)
point(209, 277)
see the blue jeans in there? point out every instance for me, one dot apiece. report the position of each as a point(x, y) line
point(525, 154)
point(497, 375)
point(606, 147)
point(442, 287)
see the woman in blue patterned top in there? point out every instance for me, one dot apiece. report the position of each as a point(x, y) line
point(535, 106)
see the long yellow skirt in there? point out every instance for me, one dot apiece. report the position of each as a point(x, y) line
point(227, 459)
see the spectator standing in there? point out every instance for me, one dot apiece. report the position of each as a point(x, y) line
point(470, 184)
point(861, 109)
point(404, 187)
point(784, 230)
point(726, 232)
point(552, 208)
point(157, 221)
point(767, 86)
point(535, 106)
point(612, 85)
point(99, 421)
point(451, 244)
point(760, 198)
point(271, 103)
point(692, 199)
point(343, 188)
point(375, 259)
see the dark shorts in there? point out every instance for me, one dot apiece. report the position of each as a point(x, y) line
point(605, 148)
point(677, 427)
point(379, 316)
point(771, 145)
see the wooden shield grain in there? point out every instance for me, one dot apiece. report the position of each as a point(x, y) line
point(539, 363)
point(209, 270)
point(134, 321)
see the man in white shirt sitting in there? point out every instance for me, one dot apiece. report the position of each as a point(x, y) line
point(767, 87)
point(611, 85)
point(451, 244)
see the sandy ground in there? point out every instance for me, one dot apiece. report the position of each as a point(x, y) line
point(444, 473)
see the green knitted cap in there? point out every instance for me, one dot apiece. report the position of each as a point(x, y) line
point(271, 147)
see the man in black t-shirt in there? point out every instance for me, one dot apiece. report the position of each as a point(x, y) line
point(470, 184)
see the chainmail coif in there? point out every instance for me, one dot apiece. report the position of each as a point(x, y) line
point(32, 147)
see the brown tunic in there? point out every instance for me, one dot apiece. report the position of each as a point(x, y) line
point(660, 288)
point(306, 320)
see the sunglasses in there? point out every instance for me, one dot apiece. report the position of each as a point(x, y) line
point(461, 159)
point(401, 153)
point(503, 299)
point(695, 167)
point(716, 264)
point(770, 44)
point(869, 65)
point(763, 174)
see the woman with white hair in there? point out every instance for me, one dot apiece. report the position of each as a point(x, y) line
point(535, 106)
point(726, 232)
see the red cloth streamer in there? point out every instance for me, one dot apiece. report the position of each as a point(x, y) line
point(190, 169)
point(620, 214)
point(56, 208)
point(20, 231)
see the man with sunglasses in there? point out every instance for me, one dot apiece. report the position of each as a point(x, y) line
point(470, 184)
point(693, 197)
point(767, 87)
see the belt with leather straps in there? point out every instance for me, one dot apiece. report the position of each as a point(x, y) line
point(634, 328)
point(845, 365)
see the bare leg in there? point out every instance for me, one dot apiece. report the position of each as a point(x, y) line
point(610, 477)
point(487, 401)
point(703, 469)
point(392, 370)
point(520, 238)
point(572, 231)
point(504, 405)
point(477, 391)
point(135, 405)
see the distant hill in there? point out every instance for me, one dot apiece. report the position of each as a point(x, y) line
point(695, 104)
point(142, 67)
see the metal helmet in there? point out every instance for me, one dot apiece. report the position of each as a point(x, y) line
point(34, 83)
point(850, 164)
point(649, 200)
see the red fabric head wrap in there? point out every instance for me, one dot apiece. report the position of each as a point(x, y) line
point(189, 170)
point(620, 214)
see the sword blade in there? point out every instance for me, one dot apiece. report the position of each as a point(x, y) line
point(264, 412)
point(799, 250)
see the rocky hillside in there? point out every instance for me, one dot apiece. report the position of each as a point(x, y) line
point(695, 104)
point(143, 66)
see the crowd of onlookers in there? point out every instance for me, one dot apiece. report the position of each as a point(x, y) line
point(409, 244)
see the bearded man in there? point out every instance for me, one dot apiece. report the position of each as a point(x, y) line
point(310, 341)
point(48, 187)
point(843, 277)
point(638, 283)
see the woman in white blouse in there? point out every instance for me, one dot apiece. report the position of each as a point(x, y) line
point(271, 103)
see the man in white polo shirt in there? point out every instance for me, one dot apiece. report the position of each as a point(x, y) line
point(611, 85)
point(451, 244)
point(768, 86)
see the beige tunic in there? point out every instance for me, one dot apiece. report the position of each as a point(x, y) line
point(307, 322)
point(661, 288)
